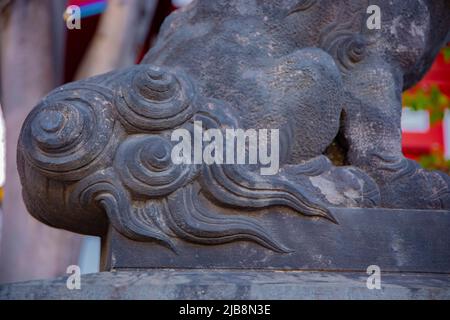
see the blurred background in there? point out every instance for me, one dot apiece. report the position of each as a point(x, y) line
point(38, 53)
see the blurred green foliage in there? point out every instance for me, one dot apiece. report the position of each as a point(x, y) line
point(446, 53)
point(431, 99)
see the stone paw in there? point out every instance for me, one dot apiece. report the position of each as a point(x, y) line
point(406, 185)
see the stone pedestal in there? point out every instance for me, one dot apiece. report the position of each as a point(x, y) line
point(326, 261)
point(234, 284)
point(394, 240)
point(101, 156)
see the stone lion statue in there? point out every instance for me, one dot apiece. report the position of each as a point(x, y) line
point(99, 148)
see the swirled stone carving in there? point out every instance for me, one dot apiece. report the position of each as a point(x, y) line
point(204, 225)
point(154, 98)
point(69, 132)
point(145, 166)
point(95, 155)
point(347, 49)
point(100, 191)
point(238, 185)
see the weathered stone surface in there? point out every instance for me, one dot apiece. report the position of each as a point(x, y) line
point(232, 284)
point(94, 155)
point(394, 240)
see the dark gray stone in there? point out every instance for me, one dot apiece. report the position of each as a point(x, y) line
point(232, 284)
point(394, 240)
point(94, 155)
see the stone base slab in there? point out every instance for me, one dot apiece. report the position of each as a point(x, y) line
point(414, 241)
point(234, 284)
